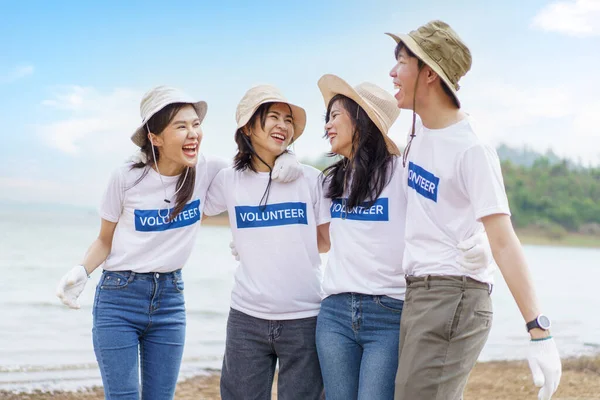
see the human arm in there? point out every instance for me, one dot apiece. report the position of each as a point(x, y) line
point(485, 187)
point(543, 358)
point(216, 201)
point(323, 241)
point(73, 282)
point(509, 256)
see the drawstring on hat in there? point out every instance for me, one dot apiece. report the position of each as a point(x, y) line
point(166, 200)
point(414, 119)
point(265, 196)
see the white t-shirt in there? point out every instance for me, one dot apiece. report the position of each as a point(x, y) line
point(144, 240)
point(453, 179)
point(279, 273)
point(367, 246)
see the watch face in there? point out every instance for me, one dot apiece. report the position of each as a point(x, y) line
point(544, 322)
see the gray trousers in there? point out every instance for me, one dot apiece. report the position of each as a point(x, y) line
point(252, 348)
point(445, 324)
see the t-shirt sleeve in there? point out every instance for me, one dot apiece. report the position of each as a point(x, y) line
point(214, 165)
point(111, 205)
point(215, 196)
point(321, 204)
point(482, 179)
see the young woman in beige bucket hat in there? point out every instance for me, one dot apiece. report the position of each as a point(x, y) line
point(454, 189)
point(150, 213)
point(363, 284)
point(278, 230)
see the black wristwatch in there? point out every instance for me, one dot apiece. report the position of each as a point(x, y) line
point(542, 322)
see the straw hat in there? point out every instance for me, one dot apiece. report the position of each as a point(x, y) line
point(438, 46)
point(158, 98)
point(262, 94)
point(380, 106)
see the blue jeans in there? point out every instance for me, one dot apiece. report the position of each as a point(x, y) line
point(357, 342)
point(139, 323)
point(252, 349)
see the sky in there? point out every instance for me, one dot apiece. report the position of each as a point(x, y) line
point(72, 75)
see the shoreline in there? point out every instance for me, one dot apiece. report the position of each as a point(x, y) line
point(492, 380)
point(526, 236)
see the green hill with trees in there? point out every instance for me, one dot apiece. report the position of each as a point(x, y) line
point(552, 200)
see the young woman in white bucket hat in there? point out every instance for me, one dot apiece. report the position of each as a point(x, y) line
point(276, 293)
point(150, 214)
point(363, 284)
point(448, 312)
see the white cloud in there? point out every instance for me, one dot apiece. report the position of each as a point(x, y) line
point(95, 121)
point(573, 18)
point(562, 118)
point(17, 73)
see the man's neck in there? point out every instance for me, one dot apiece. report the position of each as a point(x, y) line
point(439, 114)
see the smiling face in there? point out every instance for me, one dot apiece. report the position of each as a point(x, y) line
point(339, 128)
point(405, 74)
point(270, 136)
point(179, 142)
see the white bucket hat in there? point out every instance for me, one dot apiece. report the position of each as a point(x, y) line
point(262, 94)
point(158, 98)
point(380, 106)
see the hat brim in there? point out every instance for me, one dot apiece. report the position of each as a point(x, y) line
point(418, 51)
point(298, 113)
point(331, 85)
point(139, 136)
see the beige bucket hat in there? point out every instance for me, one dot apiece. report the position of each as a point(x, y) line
point(380, 106)
point(262, 94)
point(438, 46)
point(158, 98)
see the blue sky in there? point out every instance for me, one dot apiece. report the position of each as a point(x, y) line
point(72, 74)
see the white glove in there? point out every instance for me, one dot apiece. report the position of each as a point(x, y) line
point(545, 366)
point(71, 285)
point(234, 251)
point(475, 253)
point(287, 168)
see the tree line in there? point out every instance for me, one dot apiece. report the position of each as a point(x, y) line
point(546, 193)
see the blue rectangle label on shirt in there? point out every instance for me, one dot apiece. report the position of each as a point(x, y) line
point(424, 182)
point(158, 220)
point(377, 211)
point(271, 215)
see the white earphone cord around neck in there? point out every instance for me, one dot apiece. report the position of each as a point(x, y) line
point(166, 200)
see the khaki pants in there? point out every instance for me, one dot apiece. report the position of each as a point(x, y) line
point(445, 324)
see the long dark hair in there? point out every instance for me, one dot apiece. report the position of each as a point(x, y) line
point(157, 124)
point(243, 158)
point(371, 164)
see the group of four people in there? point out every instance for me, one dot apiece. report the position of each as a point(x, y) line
point(401, 310)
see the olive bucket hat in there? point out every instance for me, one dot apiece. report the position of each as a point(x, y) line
point(440, 48)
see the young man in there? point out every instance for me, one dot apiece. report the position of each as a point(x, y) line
point(454, 189)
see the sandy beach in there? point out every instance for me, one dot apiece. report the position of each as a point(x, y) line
point(499, 380)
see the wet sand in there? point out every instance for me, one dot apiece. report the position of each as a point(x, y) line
point(501, 380)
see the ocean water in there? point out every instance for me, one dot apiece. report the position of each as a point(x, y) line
point(45, 345)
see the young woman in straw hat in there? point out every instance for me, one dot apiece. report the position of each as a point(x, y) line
point(150, 215)
point(454, 189)
point(278, 230)
point(359, 322)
